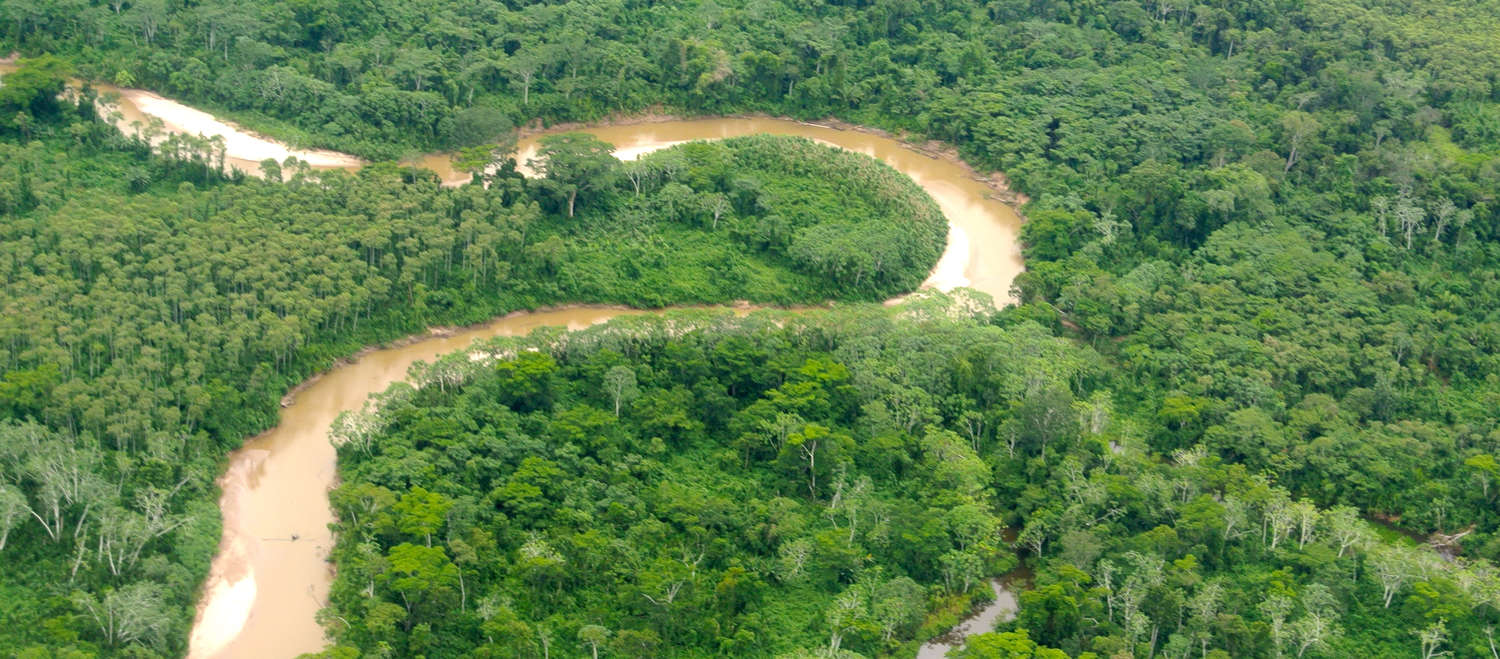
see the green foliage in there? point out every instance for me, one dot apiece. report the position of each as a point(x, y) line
point(479, 125)
point(779, 521)
point(576, 163)
point(1275, 222)
point(147, 328)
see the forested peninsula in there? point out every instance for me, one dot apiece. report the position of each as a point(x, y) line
point(1248, 405)
point(154, 319)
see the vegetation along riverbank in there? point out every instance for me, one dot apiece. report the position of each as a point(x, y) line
point(1261, 252)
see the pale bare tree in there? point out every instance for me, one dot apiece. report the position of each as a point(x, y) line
point(125, 615)
point(638, 172)
point(1442, 213)
point(792, 559)
point(1319, 622)
point(779, 429)
point(1410, 216)
point(1204, 605)
point(1380, 205)
point(1279, 518)
point(1392, 568)
point(1433, 637)
point(593, 635)
point(1298, 126)
point(12, 510)
point(1306, 516)
point(1313, 631)
point(1276, 608)
point(718, 205)
point(620, 383)
point(1346, 529)
point(843, 617)
point(524, 65)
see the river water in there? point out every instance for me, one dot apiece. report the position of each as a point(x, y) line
point(271, 575)
point(132, 110)
point(1002, 609)
point(265, 588)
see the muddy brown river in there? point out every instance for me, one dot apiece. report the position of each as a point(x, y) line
point(271, 575)
point(265, 588)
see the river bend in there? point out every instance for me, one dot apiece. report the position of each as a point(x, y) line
point(265, 587)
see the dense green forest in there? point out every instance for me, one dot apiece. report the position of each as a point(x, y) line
point(691, 485)
point(155, 311)
point(1272, 226)
point(835, 484)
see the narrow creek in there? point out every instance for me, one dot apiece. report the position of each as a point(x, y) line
point(271, 575)
point(1002, 609)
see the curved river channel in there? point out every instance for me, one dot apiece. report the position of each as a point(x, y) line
point(271, 575)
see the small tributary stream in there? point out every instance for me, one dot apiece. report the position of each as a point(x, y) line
point(1002, 609)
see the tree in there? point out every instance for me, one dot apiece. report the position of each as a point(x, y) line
point(1380, 205)
point(1276, 608)
point(1486, 471)
point(1050, 612)
point(1392, 568)
point(637, 642)
point(524, 65)
point(149, 14)
point(961, 570)
point(1045, 416)
point(1319, 622)
point(417, 64)
point(480, 125)
point(481, 158)
point(1442, 213)
point(33, 87)
point(1036, 532)
point(12, 510)
point(1409, 217)
point(793, 557)
point(1297, 128)
point(270, 170)
point(619, 381)
point(1305, 515)
point(847, 613)
point(421, 513)
point(580, 163)
point(593, 635)
point(464, 557)
point(420, 575)
point(898, 604)
point(718, 205)
point(638, 172)
point(132, 613)
point(1004, 645)
point(1433, 637)
point(1347, 529)
point(1204, 606)
point(811, 441)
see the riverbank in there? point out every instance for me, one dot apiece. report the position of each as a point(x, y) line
point(1003, 608)
point(246, 148)
point(241, 144)
point(936, 149)
point(265, 589)
point(448, 331)
point(263, 592)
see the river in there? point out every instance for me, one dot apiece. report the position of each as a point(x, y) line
point(1002, 609)
point(271, 575)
